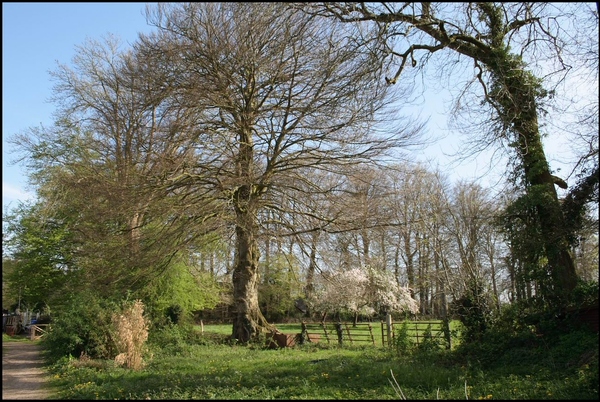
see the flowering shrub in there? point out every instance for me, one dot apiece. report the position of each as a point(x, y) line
point(363, 291)
point(387, 294)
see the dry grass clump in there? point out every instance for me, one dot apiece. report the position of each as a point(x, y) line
point(131, 330)
point(85, 361)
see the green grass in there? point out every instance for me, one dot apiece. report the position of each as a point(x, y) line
point(226, 372)
point(14, 338)
point(211, 370)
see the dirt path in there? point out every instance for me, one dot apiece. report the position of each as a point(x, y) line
point(23, 376)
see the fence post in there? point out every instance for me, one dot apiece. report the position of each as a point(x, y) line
point(304, 334)
point(447, 334)
point(340, 333)
point(348, 332)
point(325, 331)
point(388, 324)
point(417, 331)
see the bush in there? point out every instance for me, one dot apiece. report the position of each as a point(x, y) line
point(430, 343)
point(175, 313)
point(174, 339)
point(474, 310)
point(402, 342)
point(82, 327)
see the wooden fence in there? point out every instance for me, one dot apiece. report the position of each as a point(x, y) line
point(12, 324)
point(417, 330)
point(338, 333)
point(351, 333)
point(36, 331)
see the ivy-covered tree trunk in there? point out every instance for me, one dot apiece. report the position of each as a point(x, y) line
point(515, 92)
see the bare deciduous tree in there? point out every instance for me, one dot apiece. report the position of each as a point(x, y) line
point(279, 91)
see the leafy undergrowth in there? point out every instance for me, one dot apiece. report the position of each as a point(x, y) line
point(209, 368)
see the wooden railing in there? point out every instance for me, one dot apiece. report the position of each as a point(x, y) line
point(342, 332)
point(36, 331)
point(364, 332)
point(417, 331)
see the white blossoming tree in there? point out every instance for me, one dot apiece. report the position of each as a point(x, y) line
point(361, 291)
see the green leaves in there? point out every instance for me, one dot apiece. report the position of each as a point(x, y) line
point(40, 263)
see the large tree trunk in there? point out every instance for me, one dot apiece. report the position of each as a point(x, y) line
point(514, 92)
point(248, 320)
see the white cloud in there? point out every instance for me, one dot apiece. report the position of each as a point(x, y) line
point(12, 194)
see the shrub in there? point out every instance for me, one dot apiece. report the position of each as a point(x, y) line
point(175, 339)
point(473, 310)
point(175, 313)
point(430, 343)
point(81, 327)
point(402, 342)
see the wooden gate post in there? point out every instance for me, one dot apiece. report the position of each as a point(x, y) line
point(304, 334)
point(340, 333)
point(388, 324)
point(447, 333)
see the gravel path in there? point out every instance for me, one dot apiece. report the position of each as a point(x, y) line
point(23, 376)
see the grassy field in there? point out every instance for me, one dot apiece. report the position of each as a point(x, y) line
point(210, 369)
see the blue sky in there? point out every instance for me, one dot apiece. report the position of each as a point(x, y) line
point(35, 36)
